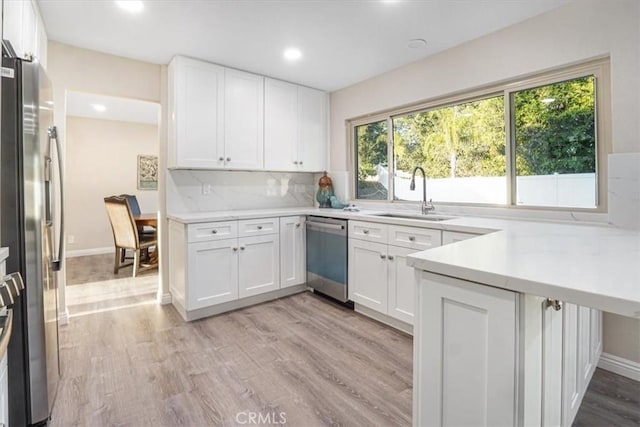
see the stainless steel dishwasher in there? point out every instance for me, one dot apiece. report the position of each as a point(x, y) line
point(327, 256)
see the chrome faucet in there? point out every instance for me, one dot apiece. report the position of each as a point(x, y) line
point(426, 206)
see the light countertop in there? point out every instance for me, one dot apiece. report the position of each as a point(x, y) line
point(591, 265)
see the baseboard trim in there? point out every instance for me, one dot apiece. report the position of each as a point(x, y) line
point(86, 252)
point(63, 318)
point(618, 365)
point(383, 318)
point(164, 299)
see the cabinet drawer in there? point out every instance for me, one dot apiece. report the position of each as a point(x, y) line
point(370, 231)
point(258, 227)
point(212, 231)
point(414, 238)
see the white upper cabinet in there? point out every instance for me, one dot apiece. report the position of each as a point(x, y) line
point(295, 127)
point(196, 116)
point(23, 27)
point(243, 120)
point(280, 125)
point(312, 129)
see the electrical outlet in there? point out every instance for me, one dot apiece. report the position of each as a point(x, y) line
point(71, 239)
point(206, 189)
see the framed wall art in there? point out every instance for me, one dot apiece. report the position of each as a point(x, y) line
point(147, 172)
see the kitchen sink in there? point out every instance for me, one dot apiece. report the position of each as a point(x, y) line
point(428, 217)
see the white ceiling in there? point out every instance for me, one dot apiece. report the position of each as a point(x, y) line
point(342, 41)
point(81, 104)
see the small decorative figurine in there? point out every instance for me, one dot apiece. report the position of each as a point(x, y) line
point(325, 192)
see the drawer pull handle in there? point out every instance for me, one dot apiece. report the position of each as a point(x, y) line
point(412, 239)
point(214, 231)
point(235, 249)
point(300, 163)
point(259, 227)
point(382, 256)
point(228, 159)
point(221, 159)
point(365, 231)
point(390, 257)
point(242, 248)
point(295, 163)
point(298, 225)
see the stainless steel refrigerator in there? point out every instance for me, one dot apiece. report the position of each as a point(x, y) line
point(31, 226)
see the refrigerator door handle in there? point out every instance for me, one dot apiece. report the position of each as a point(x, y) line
point(52, 133)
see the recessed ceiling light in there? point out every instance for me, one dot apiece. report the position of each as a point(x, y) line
point(133, 6)
point(416, 43)
point(292, 54)
point(547, 100)
point(99, 107)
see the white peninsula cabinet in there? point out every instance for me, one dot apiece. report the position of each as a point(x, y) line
point(495, 357)
point(295, 127)
point(220, 266)
point(379, 278)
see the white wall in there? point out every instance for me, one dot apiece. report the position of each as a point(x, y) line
point(101, 160)
point(573, 33)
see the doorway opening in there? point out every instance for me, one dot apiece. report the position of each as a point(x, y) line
point(111, 149)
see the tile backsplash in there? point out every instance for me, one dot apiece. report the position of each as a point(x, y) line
point(204, 191)
point(624, 190)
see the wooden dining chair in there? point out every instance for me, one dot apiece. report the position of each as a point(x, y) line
point(143, 232)
point(125, 235)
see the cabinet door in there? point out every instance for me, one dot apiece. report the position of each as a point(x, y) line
point(259, 265)
point(402, 285)
point(29, 24)
point(466, 352)
point(213, 273)
point(280, 125)
point(293, 264)
point(196, 121)
point(368, 271)
point(243, 120)
point(12, 24)
point(312, 128)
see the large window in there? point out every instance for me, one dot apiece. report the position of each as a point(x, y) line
point(528, 143)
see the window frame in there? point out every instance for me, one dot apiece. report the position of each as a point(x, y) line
point(599, 68)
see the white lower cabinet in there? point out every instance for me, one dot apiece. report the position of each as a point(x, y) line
point(258, 265)
point(213, 273)
point(582, 339)
point(293, 251)
point(368, 274)
point(379, 277)
point(401, 291)
point(213, 266)
point(494, 357)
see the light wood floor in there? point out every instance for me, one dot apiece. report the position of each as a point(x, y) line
point(316, 362)
point(127, 361)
